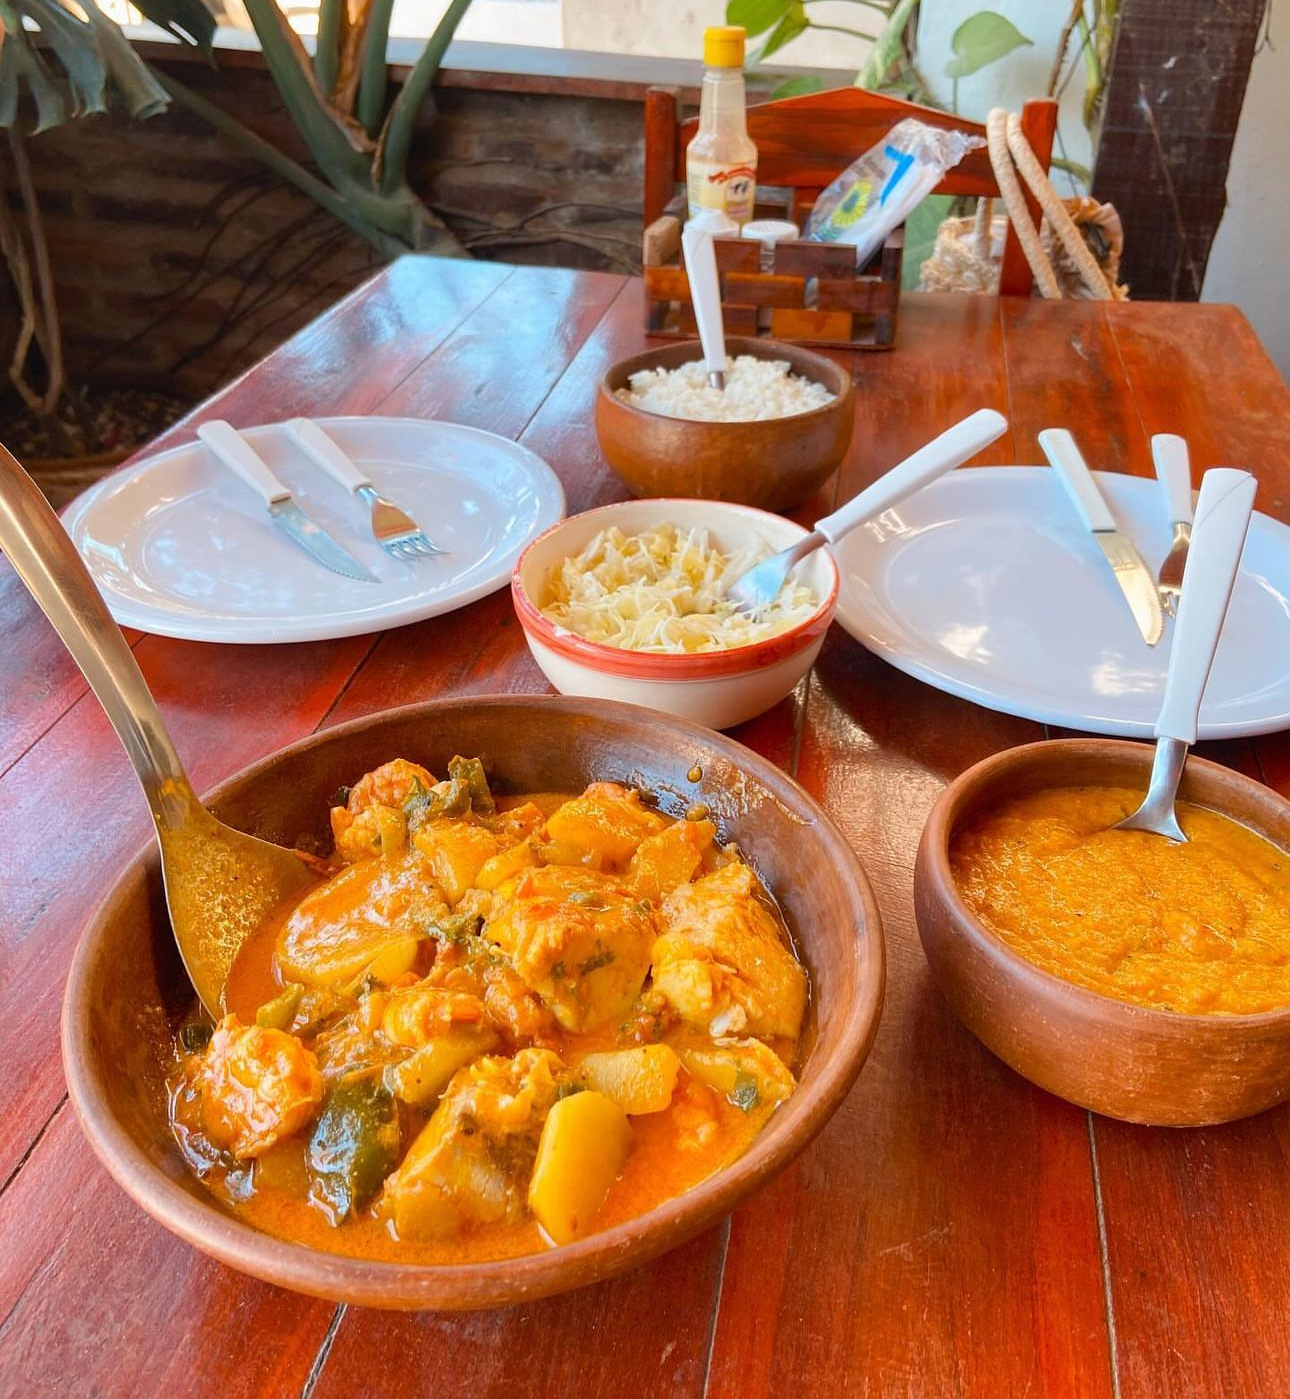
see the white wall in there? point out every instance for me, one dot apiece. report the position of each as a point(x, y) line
point(674, 29)
point(1250, 261)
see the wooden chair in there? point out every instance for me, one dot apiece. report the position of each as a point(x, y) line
point(803, 143)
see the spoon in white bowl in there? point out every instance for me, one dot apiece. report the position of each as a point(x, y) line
point(760, 586)
point(1218, 536)
point(705, 287)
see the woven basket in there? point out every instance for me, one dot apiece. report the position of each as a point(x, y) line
point(1076, 252)
point(965, 260)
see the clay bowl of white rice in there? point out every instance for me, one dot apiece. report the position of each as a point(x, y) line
point(771, 439)
point(628, 602)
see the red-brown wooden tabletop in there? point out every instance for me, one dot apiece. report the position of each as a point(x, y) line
point(954, 1230)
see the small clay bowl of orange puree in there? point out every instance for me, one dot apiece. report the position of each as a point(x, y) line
point(1143, 979)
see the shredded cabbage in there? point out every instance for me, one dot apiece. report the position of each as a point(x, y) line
point(664, 590)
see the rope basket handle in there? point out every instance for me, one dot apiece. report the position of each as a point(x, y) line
point(1007, 144)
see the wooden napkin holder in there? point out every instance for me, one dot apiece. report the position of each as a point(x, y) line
point(812, 294)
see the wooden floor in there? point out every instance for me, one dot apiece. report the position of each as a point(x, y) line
point(954, 1231)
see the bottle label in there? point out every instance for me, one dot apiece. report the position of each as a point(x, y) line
point(729, 188)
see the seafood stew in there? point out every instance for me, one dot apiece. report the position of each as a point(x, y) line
point(494, 1026)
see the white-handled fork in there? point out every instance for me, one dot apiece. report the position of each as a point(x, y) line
point(1173, 471)
point(395, 530)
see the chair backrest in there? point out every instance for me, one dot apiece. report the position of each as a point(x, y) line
point(803, 143)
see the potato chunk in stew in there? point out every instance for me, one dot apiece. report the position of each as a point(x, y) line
point(338, 930)
point(472, 1161)
point(607, 820)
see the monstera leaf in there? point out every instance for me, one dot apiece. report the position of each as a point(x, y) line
point(188, 20)
point(92, 53)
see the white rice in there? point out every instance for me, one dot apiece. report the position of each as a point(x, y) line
point(755, 389)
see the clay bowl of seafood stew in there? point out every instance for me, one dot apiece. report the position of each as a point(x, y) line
point(127, 995)
point(1140, 1063)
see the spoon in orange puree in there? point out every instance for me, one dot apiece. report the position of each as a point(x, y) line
point(1218, 536)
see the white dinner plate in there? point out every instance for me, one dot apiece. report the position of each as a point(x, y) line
point(985, 584)
point(180, 547)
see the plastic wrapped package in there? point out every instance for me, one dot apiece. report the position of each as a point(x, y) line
point(878, 191)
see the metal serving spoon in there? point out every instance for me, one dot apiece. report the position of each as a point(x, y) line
point(1218, 536)
point(761, 584)
point(220, 884)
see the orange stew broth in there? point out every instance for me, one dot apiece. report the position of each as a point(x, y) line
point(272, 1193)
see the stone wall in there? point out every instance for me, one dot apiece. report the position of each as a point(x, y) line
point(180, 260)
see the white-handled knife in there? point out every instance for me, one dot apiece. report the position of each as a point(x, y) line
point(244, 461)
point(1131, 572)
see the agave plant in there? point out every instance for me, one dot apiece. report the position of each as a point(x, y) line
point(74, 63)
point(339, 100)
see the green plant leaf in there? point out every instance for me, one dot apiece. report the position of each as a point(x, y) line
point(327, 44)
point(74, 45)
point(1073, 167)
point(793, 23)
point(323, 132)
point(798, 87)
point(757, 16)
point(921, 228)
point(888, 48)
point(373, 78)
point(19, 60)
point(188, 20)
point(142, 93)
point(391, 163)
point(981, 39)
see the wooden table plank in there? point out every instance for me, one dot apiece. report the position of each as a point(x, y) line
point(352, 358)
point(1064, 370)
point(853, 1266)
point(1206, 376)
point(496, 368)
point(1177, 1291)
point(96, 1299)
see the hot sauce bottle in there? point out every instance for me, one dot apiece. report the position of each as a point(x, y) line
point(721, 161)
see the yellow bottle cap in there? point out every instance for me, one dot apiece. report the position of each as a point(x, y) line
point(723, 46)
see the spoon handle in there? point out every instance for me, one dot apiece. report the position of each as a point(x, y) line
point(43, 556)
point(1218, 536)
point(705, 287)
point(941, 454)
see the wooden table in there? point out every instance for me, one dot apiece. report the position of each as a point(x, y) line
point(954, 1230)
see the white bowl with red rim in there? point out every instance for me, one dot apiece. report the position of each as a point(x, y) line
point(716, 688)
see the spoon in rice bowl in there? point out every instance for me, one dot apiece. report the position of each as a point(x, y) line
point(760, 586)
point(705, 286)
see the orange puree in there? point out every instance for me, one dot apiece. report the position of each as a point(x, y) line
point(1202, 928)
